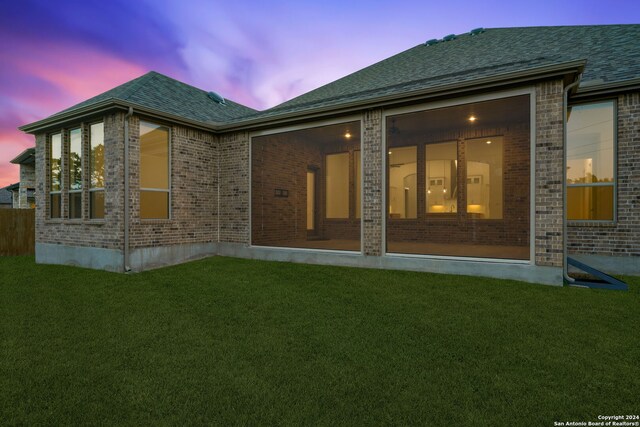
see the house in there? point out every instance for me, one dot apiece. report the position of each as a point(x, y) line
point(6, 198)
point(449, 157)
point(24, 191)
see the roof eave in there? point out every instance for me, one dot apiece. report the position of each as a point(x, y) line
point(107, 106)
point(608, 88)
point(70, 116)
point(568, 70)
point(26, 157)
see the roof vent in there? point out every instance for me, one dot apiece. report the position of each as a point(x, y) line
point(449, 38)
point(476, 31)
point(217, 98)
point(431, 42)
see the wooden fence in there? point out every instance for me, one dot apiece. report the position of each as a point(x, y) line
point(17, 231)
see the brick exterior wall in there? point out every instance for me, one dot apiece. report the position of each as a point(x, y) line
point(548, 170)
point(210, 188)
point(234, 188)
point(621, 238)
point(193, 206)
point(27, 180)
point(372, 187)
point(102, 233)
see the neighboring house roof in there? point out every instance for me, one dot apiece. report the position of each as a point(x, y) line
point(27, 157)
point(608, 56)
point(612, 53)
point(13, 187)
point(6, 197)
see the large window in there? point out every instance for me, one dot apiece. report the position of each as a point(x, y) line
point(55, 177)
point(96, 170)
point(590, 162)
point(75, 173)
point(154, 171)
point(458, 180)
point(305, 188)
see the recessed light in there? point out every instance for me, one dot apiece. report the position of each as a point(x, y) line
point(347, 135)
point(472, 118)
point(389, 152)
point(488, 142)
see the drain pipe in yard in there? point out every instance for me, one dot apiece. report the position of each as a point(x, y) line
point(565, 117)
point(127, 267)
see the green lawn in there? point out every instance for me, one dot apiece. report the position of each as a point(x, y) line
point(230, 341)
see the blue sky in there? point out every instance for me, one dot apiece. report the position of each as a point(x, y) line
point(259, 53)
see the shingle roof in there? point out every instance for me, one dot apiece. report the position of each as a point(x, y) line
point(612, 53)
point(159, 92)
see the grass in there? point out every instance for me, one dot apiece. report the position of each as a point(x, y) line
point(228, 341)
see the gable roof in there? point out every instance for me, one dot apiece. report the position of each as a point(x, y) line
point(163, 94)
point(612, 54)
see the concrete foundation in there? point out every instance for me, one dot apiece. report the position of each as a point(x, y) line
point(149, 258)
point(80, 256)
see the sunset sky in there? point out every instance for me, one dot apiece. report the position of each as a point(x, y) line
point(55, 53)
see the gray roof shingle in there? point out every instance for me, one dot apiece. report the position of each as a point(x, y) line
point(612, 53)
point(157, 91)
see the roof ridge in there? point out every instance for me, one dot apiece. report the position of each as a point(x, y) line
point(137, 84)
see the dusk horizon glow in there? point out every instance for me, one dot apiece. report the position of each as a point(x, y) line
point(56, 54)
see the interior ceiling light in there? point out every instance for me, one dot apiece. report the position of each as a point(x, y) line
point(472, 118)
point(347, 135)
point(389, 152)
point(488, 142)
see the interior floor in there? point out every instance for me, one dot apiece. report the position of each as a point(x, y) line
point(414, 248)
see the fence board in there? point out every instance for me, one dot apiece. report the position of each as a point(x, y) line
point(17, 231)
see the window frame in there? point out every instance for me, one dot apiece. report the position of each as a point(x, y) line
point(91, 189)
point(50, 175)
point(614, 185)
point(80, 191)
point(169, 171)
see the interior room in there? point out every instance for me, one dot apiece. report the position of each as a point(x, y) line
point(306, 188)
point(458, 180)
